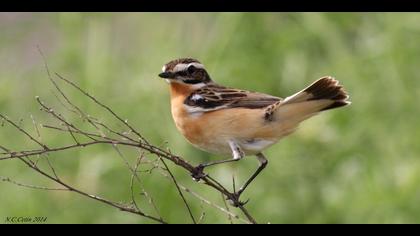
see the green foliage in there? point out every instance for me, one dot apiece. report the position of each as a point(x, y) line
point(359, 164)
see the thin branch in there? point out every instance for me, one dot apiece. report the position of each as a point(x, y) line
point(233, 184)
point(227, 208)
point(7, 151)
point(214, 205)
point(91, 135)
point(102, 105)
point(247, 214)
point(136, 166)
point(55, 84)
point(179, 191)
point(202, 199)
point(81, 113)
point(72, 135)
point(7, 179)
point(121, 138)
point(135, 176)
point(13, 155)
point(91, 196)
point(207, 180)
point(64, 105)
point(114, 132)
point(59, 117)
point(52, 168)
point(23, 131)
point(202, 215)
point(35, 126)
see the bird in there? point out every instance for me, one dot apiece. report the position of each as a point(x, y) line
point(235, 122)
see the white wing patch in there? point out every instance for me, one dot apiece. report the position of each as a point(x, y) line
point(197, 111)
point(196, 97)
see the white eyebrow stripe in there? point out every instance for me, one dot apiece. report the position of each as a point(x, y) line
point(181, 67)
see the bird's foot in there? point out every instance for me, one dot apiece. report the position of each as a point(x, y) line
point(198, 173)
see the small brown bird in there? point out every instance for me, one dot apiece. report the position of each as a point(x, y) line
point(236, 122)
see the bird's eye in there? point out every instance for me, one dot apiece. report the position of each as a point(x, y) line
point(191, 69)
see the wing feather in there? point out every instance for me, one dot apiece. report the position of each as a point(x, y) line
point(215, 97)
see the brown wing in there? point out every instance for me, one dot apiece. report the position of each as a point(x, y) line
point(215, 97)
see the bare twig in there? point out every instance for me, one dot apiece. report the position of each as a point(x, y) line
point(202, 199)
point(135, 176)
point(91, 196)
point(136, 166)
point(115, 139)
point(247, 214)
point(202, 215)
point(7, 151)
point(179, 191)
point(23, 131)
point(227, 208)
point(7, 179)
point(52, 168)
point(60, 118)
point(36, 127)
point(102, 105)
point(29, 153)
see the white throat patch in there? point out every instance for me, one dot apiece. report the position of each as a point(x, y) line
point(198, 85)
point(195, 86)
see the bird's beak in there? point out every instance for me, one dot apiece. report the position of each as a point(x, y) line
point(166, 75)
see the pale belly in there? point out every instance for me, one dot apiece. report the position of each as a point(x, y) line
point(221, 147)
point(246, 127)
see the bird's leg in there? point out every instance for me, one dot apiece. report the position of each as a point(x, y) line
point(262, 164)
point(237, 154)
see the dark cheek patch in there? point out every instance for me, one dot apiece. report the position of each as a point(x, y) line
point(192, 81)
point(181, 73)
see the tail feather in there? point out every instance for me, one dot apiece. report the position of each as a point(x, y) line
point(323, 94)
point(326, 88)
point(336, 104)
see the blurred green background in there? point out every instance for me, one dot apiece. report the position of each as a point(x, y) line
point(359, 164)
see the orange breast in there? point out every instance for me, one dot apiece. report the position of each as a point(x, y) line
point(238, 122)
point(188, 127)
point(211, 131)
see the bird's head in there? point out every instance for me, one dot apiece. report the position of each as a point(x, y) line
point(185, 71)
